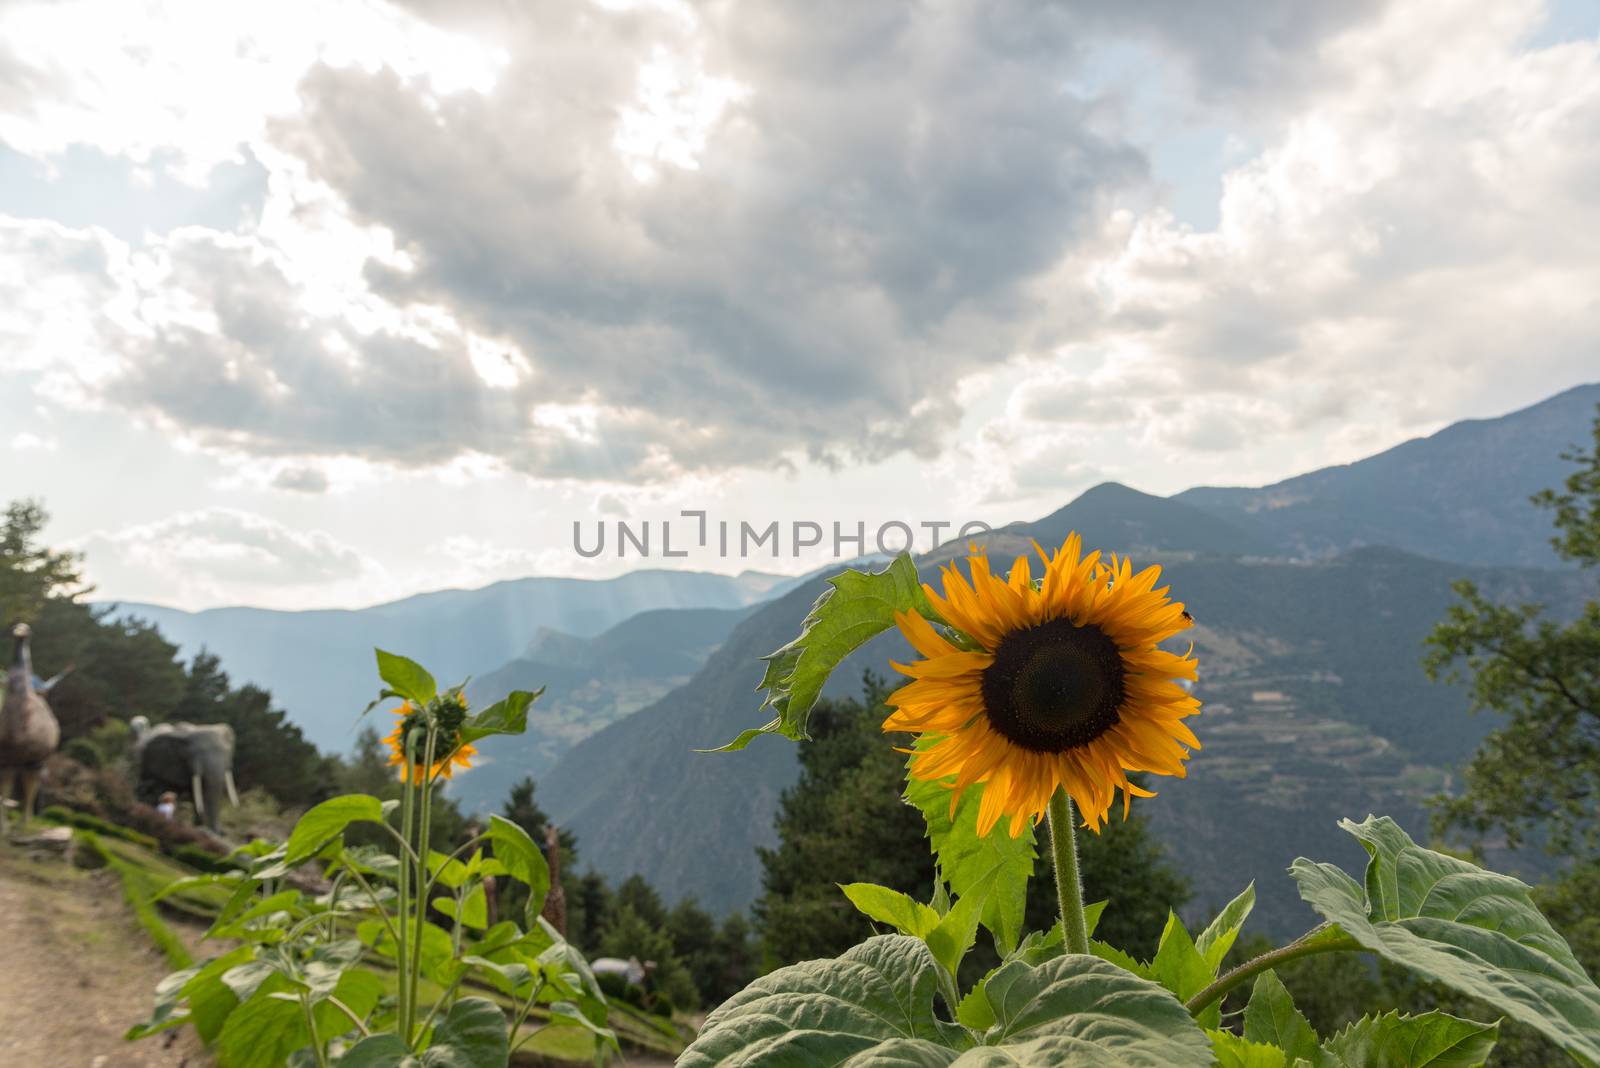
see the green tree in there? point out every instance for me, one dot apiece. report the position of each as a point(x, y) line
point(121, 667)
point(589, 906)
point(694, 941)
point(31, 573)
point(1538, 771)
point(269, 751)
point(642, 899)
point(844, 821)
point(735, 958)
point(628, 934)
point(1537, 774)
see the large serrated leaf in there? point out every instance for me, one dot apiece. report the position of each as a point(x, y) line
point(1271, 1018)
point(1235, 1052)
point(1433, 1040)
point(1179, 967)
point(827, 1011)
point(995, 867)
point(1455, 923)
point(857, 607)
point(1218, 937)
point(901, 911)
point(874, 1007)
point(471, 1035)
point(406, 677)
point(323, 822)
point(1079, 1010)
point(509, 715)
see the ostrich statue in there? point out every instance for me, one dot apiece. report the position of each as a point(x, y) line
point(555, 902)
point(28, 729)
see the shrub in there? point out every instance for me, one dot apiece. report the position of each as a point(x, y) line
point(83, 751)
point(201, 860)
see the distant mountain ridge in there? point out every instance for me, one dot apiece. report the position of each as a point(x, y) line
point(318, 664)
point(1312, 596)
point(1310, 658)
point(1316, 709)
point(589, 683)
point(1114, 514)
point(1460, 494)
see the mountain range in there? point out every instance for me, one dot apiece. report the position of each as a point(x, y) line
point(319, 667)
point(1310, 648)
point(1312, 596)
point(1460, 494)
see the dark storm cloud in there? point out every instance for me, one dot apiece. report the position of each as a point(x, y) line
point(867, 223)
point(1252, 53)
point(884, 206)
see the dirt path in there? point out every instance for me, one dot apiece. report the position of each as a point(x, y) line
point(76, 971)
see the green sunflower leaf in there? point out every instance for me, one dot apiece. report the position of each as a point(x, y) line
point(901, 911)
point(1235, 1052)
point(509, 715)
point(1455, 923)
point(857, 607)
point(524, 860)
point(832, 1011)
point(1218, 937)
point(874, 1008)
point(1433, 1040)
point(1077, 1010)
point(406, 678)
point(1271, 1018)
point(325, 821)
point(995, 868)
point(1179, 967)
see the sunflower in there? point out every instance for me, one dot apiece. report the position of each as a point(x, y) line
point(448, 710)
point(1060, 684)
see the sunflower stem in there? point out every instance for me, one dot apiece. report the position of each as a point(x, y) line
point(1069, 885)
point(403, 940)
point(425, 818)
point(1324, 938)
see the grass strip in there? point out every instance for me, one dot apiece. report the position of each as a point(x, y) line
point(135, 893)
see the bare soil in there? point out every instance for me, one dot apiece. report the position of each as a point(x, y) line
point(76, 971)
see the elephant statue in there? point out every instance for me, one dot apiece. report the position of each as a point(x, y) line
point(193, 757)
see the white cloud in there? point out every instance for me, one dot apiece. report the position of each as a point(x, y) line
point(1418, 228)
point(868, 238)
point(221, 554)
point(184, 84)
point(30, 442)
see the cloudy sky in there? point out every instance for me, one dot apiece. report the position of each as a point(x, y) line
point(325, 303)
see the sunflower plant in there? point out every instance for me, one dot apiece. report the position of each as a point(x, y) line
point(336, 961)
point(1033, 701)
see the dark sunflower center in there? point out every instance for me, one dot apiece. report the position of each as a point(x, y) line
point(1054, 686)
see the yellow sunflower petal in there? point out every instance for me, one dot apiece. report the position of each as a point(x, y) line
point(1082, 610)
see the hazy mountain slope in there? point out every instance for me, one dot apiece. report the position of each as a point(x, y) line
point(1460, 495)
point(641, 801)
point(319, 665)
point(1318, 710)
point(589, 683)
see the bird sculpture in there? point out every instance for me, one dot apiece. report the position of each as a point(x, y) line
point(555, 902)
point(29, 732)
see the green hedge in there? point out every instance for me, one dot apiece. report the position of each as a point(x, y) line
point(85, 822)
point(134, 893)
point(200, 860)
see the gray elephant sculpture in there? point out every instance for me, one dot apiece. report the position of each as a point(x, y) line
point(193, 757)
